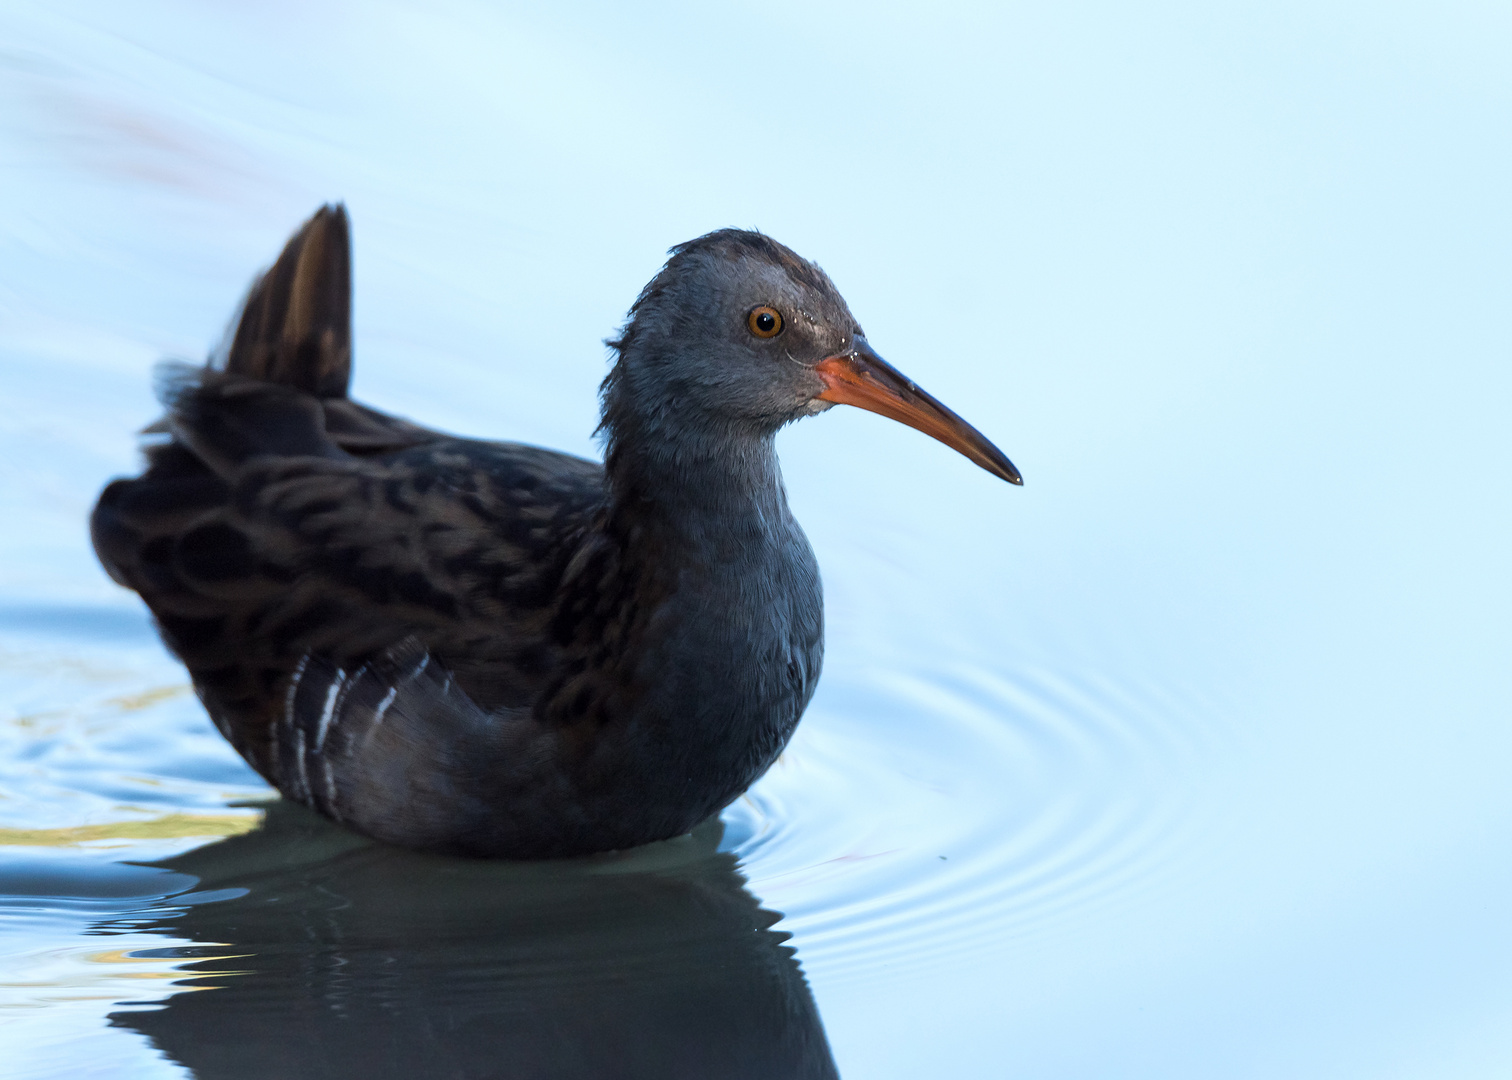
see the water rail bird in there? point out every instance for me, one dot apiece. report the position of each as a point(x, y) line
point(489, 648)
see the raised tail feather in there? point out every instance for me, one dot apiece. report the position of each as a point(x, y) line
point(280, 391)
point(296, 326)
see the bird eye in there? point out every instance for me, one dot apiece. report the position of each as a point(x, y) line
point(764, 322)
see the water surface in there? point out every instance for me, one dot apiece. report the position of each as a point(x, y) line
point(1188, 759)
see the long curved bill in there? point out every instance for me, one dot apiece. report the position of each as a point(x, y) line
point(865, 380)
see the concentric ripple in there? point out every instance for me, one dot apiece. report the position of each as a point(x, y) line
point(918, 814)
point(924, 813)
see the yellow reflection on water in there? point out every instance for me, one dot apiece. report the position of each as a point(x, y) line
point(124, 956)
point(50, 976)
point(148, 698)
point(167, 827)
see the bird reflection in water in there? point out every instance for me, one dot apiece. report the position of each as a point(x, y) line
point(344, 958)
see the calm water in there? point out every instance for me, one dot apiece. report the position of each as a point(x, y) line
point(1190, 759)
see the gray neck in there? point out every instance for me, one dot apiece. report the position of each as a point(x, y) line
point(701, 509)
point(698, 476)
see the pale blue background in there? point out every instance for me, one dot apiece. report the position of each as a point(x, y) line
point(1228, 282)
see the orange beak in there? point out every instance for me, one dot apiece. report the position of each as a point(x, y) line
point(863, 379)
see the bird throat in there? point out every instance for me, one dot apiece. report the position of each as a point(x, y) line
point(697, 469)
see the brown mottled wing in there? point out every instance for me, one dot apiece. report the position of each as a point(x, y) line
point(370, 610)
point(258, 540)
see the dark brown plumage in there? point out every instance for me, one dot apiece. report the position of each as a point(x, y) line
point(493, 648)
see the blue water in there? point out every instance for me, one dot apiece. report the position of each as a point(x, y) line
point(1189, 759)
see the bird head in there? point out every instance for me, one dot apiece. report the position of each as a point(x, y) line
point(737, 332)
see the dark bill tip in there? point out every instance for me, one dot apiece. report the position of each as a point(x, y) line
point(863, 379)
